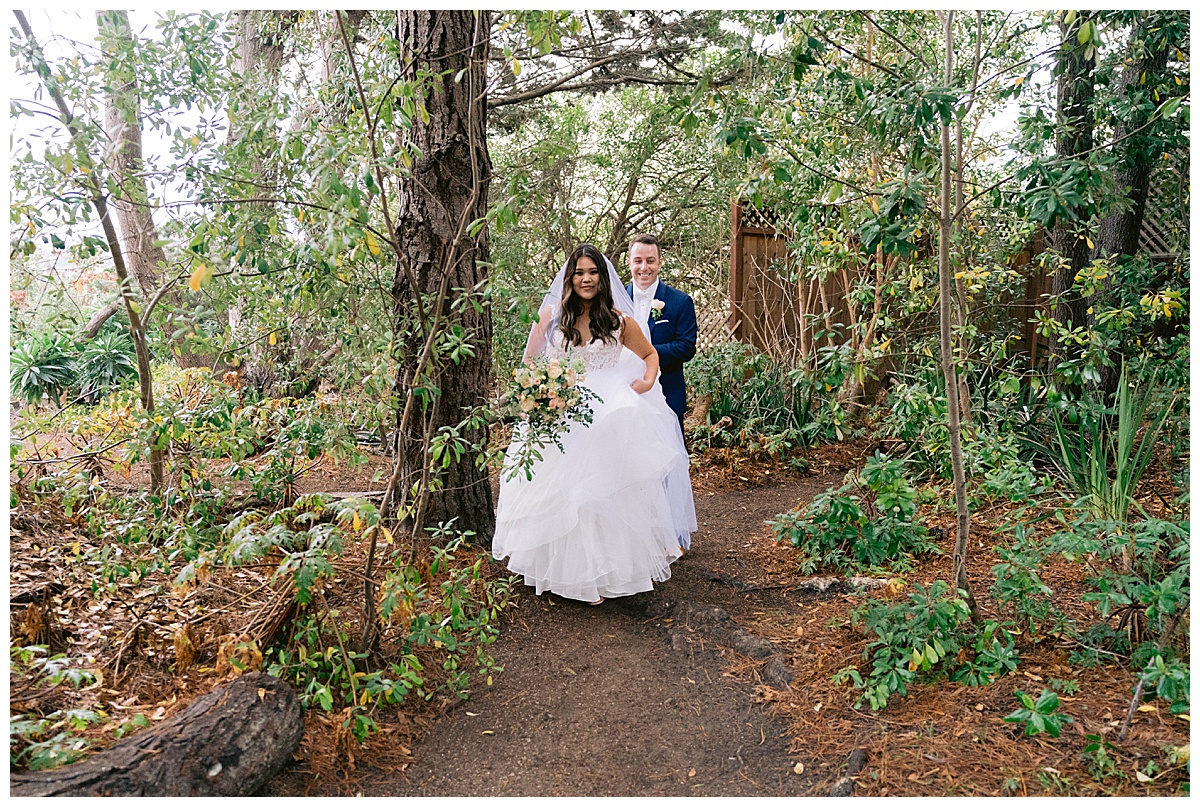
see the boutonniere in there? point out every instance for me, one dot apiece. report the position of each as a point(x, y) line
point(656, 309)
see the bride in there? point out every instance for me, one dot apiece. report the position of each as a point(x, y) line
point(606, 516)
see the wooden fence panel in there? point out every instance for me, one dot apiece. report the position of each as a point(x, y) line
point(777, 315)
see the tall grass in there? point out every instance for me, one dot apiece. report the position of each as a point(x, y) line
point(1103, 465)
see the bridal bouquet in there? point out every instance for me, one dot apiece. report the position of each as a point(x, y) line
point(547, 397)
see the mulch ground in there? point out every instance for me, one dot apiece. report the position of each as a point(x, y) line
point(600, 701)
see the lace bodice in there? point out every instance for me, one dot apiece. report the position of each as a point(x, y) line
point(596, 355)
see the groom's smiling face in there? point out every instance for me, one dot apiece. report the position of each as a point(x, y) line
point(644, 263)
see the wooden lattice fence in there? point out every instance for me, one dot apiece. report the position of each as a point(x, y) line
point(769, 311)
point(712, 321)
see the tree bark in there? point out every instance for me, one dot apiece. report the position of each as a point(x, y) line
point(1122, 228)
point(258, 64)
point(945, 215)
point(98, 319)
point(960, 291)
point(123, 125)
point(95, 189)
point(229, 742)
point(1076, 89)
point(445, 191)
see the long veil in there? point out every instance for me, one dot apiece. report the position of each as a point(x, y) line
point(543, 330)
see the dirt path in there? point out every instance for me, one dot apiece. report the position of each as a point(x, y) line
point(614, 701)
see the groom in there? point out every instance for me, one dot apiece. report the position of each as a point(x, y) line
point(667, 315)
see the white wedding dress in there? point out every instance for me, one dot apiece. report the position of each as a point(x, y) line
point(606, 516)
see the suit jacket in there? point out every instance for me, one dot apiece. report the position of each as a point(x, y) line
point(673, 335)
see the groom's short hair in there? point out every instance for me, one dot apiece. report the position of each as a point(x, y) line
point(646, 238)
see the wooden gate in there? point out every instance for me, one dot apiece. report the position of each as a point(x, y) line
point(777, 315)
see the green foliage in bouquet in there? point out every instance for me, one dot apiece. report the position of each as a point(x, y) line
point(546, 397)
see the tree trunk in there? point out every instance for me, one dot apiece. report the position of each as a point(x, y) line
point(229, 742)
point(123, 125)
point(94, 185)
point(446, 191)
point(258, 65)
point(1121, 229)
point(960, 290)
point(98, 319)
point(1076, 89)
point(945, 215)
point(1119, 232)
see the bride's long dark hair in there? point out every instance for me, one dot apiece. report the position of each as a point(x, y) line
point(605, 324)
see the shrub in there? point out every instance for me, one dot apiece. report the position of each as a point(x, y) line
point(105, 363)
point(1169, 678)
point(909, 638)
point(39, 743)
point(868, 522)
point(446, 611)
point(1146, 579)
point(748, 387)
point(924, 638)
point(1105, 466)
point(42, 367)
point(766, 401)
point(1040, 715)
point(1019, 585)
point(995, 655)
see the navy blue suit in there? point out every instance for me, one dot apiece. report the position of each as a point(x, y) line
point(673, 335)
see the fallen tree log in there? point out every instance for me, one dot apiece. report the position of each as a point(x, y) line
point(226, 743)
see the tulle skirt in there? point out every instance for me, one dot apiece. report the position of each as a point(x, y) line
point(606, 516)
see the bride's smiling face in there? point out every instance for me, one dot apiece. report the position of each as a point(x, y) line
point(585, 281)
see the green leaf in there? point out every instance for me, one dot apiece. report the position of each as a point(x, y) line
point(1048, 701)
point(1168, 109)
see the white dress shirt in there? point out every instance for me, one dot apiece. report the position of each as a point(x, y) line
point(641, 305)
